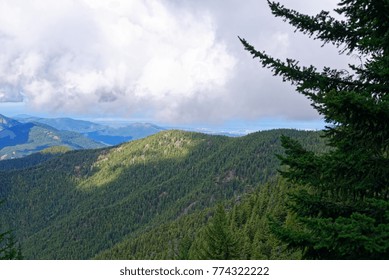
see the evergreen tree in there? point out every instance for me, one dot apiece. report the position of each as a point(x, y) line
point(184, 248)
point(8, 248)
point(219, 241)
point(343, 208)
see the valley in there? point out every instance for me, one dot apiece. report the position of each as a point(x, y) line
point(18, 139)
point(82, 204)
point(25, 135)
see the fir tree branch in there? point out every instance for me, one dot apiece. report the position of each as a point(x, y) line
point(307, 79)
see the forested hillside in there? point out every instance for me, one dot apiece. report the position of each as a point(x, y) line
point(81, 204)
point(247, 222)
point(33, 159)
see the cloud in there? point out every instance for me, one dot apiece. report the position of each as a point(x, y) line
point(178, 61)
point(98, 56)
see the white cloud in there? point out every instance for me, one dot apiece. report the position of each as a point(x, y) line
point(98, 56)
point(175, 60)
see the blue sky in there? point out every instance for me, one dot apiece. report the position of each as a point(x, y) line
point(176, 63)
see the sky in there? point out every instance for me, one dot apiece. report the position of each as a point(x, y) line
point(176, 62)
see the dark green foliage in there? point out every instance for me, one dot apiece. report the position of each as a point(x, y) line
point(8, 247)
point(184, 248)
point(186, 237)
point(7, 244)
point(344, 211)
point(219, 241)
point(78, 204)
point(32, 160)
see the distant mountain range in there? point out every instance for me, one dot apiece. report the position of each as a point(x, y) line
point(24, 134)
point(18, 139)
point(104, 134)
point(69, 124)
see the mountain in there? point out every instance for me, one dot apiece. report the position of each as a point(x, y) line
point(33, 159)
point(105, 134)
point(7, 122)
point(20, 139)
point(68, 124)
point(246, 220)
point(82, 204)
point(118, 135)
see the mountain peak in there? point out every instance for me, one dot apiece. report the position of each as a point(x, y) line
point(6, 122)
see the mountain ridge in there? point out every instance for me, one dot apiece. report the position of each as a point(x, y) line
point(80, 203)
point(6, 122)
point(105, 134)
point(18, 139)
